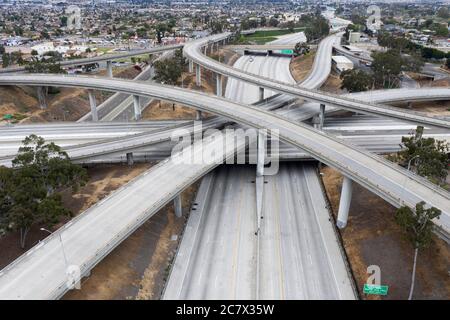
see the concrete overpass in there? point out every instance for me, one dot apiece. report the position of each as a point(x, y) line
point(395, 184)
point(107, 57)
point(193, 52)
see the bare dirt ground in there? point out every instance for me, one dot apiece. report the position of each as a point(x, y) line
point(333, 84)
point(69, 104)
point(373, 238)
point(162, 110)
point(433, 108)
point(301, 66)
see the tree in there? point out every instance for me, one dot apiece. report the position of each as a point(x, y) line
point(169, 70)
point(418, 226)
point(300, 48)
point(386, 67)
point(44, 67)
point(2, 49)
point(447, 63)
point(356, 80)
point(317, 27)
point(273, 22)
point(6, 61)
point(45, 35)
point(440, 29)
point(443, 13)
point(63, 21)
point(29, 190)
point(425, 156)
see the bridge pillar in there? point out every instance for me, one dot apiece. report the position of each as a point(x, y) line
point(93, 104)
point(205, 49)
point(130, 159)
point(191, 66)
point(42, 97)
point(261, 153)
point(109, 70)
point(137, 108)
point(322, 116)
point(177, 206)
point(344, 203)
point(218, 84)
point(198, 75)
point(316, 122)
point(198, 115)
point(261, 93)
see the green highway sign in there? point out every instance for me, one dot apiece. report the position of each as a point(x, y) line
point(7, 116)
point(287, 51)
point(374, 289)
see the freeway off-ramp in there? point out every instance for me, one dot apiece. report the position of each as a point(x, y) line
point(192, 51)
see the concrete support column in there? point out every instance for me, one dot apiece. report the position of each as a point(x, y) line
point(42, 97)
point(191, 66)
point(316, 122)
point(261, 93)
point(322, 116)
point(109, 70)
point(198, 115)
point(177, 206)
point(198, 75)
point(137, 108)
point(130, 159)
point(344, 203)
point(205, 49)
point(218, 84)
point(261, 153)
point(93, 104)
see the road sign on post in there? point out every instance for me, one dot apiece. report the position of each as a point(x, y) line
point(374, 289)
point(287, 51)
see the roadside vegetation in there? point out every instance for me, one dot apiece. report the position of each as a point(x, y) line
point(418, 226)
point(30, 190)
point(426, 157)
point(170, 70)
point(385, 71)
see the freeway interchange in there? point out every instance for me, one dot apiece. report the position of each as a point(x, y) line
point(396, 185)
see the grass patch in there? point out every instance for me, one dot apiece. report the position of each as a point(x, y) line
point(262, 37)
point(259, 40)
point(274, 33)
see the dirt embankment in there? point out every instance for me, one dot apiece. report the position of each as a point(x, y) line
point(373, 238)
point(162, 110)
point(333, 84)
point(301, 66)
point(68, 104)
